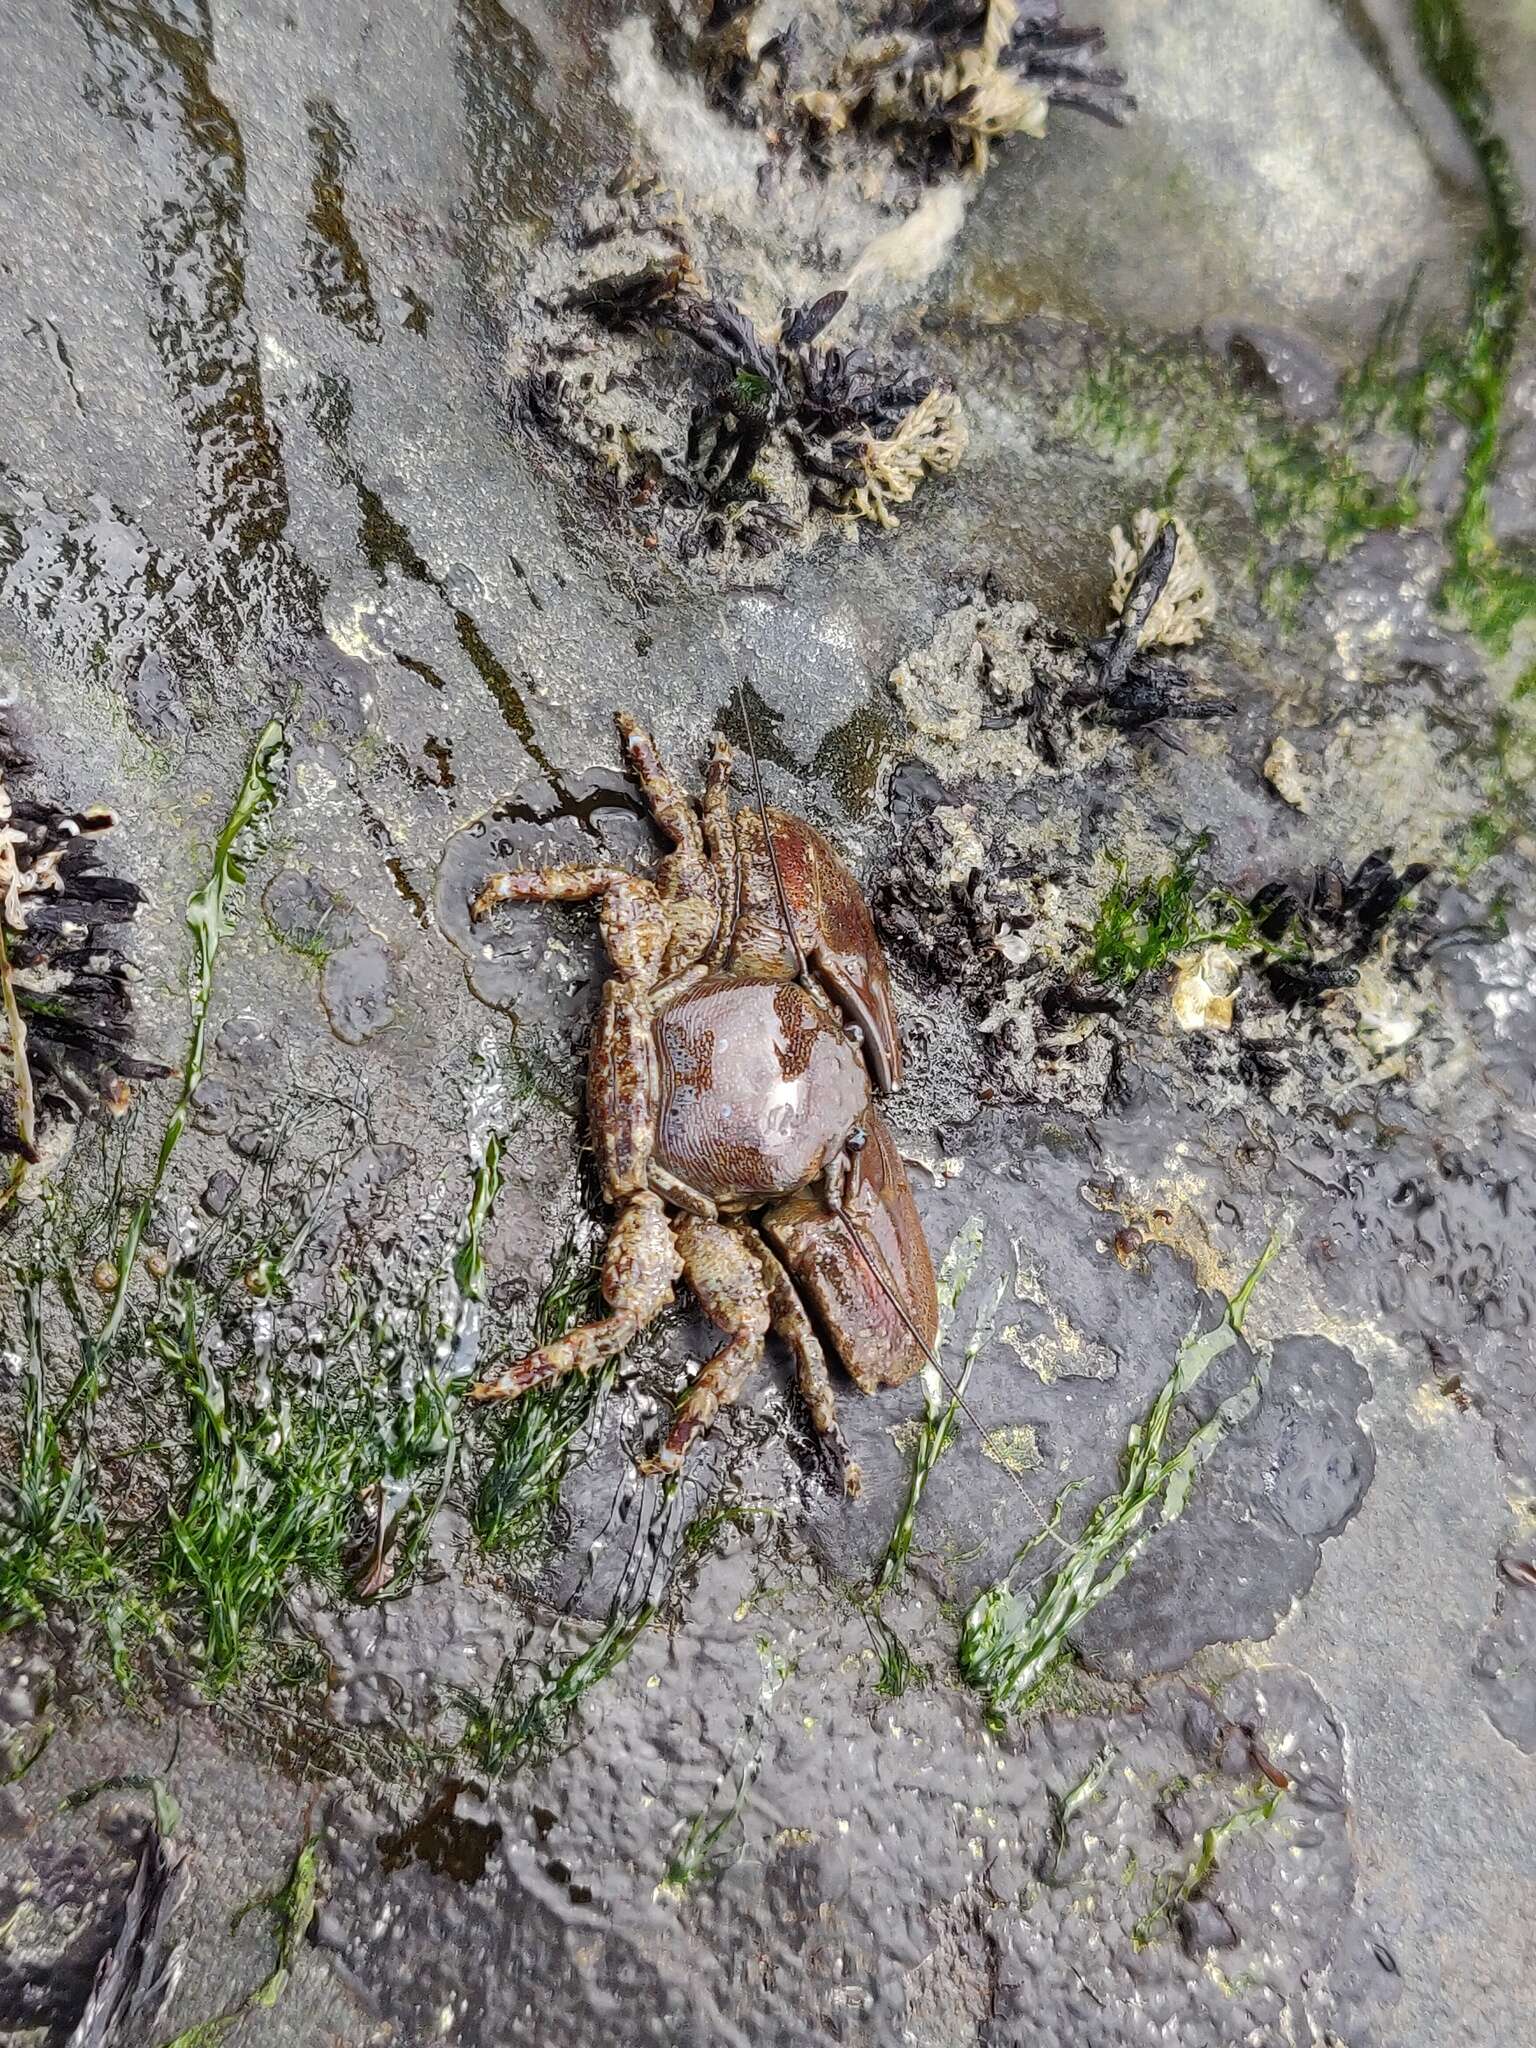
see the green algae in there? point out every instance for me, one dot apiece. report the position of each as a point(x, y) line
point(1177, 1892)
point(897, 1670)
point(252, 1486)
point(1065, 1808)
point(516, 1722)
point(1141, 926)
point(1493, 594)
point(292, 1907)
point(937, 1423)
point(210, 911)
point(1010, 1641)
point(1180, 413)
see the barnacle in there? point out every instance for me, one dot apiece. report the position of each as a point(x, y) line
point(757, 426)
point(1186, 603)
point(1203, 989)
point(931, 439)
point(947, 79)
point(1283, 773)
point(64, 998)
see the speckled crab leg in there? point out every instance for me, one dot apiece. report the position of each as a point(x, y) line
point(640, 1268)
point(794, 1326)
point(686, 879)
point(727, 1279)
point(545, 885)
point(670, 805)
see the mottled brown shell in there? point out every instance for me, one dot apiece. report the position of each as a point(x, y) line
point(757, 1088)
point(832, 923)
point(868, 1331)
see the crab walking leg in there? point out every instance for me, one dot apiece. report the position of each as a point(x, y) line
point(719, 833)
point(721, 1268)
point(633, 917)
point(669, 802)
point(640, 1268)
point(794, 1326)
point(544, 885)
point(686, 879)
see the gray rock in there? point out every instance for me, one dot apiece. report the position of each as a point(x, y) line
point(1249, 1543)
point(359, 988)
point(1283, 366)
point(1504, 1667)
point(218, 1192)
point(308, 915)
point(1270, 175)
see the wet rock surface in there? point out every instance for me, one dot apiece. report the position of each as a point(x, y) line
point(271, 264)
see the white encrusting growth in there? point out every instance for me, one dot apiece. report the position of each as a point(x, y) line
point(930, 440)
point(1186, 605)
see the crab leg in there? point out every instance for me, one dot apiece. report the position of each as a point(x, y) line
point(633, 917)
point(719, 835)
point(670, 804)
point(544, 885)
point(727, 1279)
point(686, 878)
point(794, 1326)
point(640, 1267)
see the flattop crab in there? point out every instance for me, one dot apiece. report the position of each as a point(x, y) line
point(741, 1038)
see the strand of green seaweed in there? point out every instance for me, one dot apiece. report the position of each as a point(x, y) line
point(937, 1423)
point(271, 1490)
point(56, 1543)
point(509, 1726)
point(274, 1487)
point(696, 1858)
point(1011, 1642)
point(261, 1489)
point(426, 1425)
point(1066, 1806)
point(209, 919)
point(1212, 1840)
point(513, 1723)
point(267, 1504)
point(292, 1907)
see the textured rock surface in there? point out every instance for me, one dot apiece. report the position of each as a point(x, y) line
point(1273, 175)
point(252, 336)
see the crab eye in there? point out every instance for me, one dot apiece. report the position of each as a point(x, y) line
point(856, 1140)
point(854, 1033)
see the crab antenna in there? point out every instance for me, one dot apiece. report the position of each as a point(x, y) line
point(955, 1394)
point(802, 965)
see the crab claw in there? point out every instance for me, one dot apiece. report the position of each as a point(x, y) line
point(832, 927)
point(864, 1263)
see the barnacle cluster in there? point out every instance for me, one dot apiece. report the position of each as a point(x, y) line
point(1001, 914)
point(1002, 690)
point(1296, 988)
point(1185, 605)
point(790, 160)
point(935, 82)
point(64, 994)
point(930, 439)
point(732, 434)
